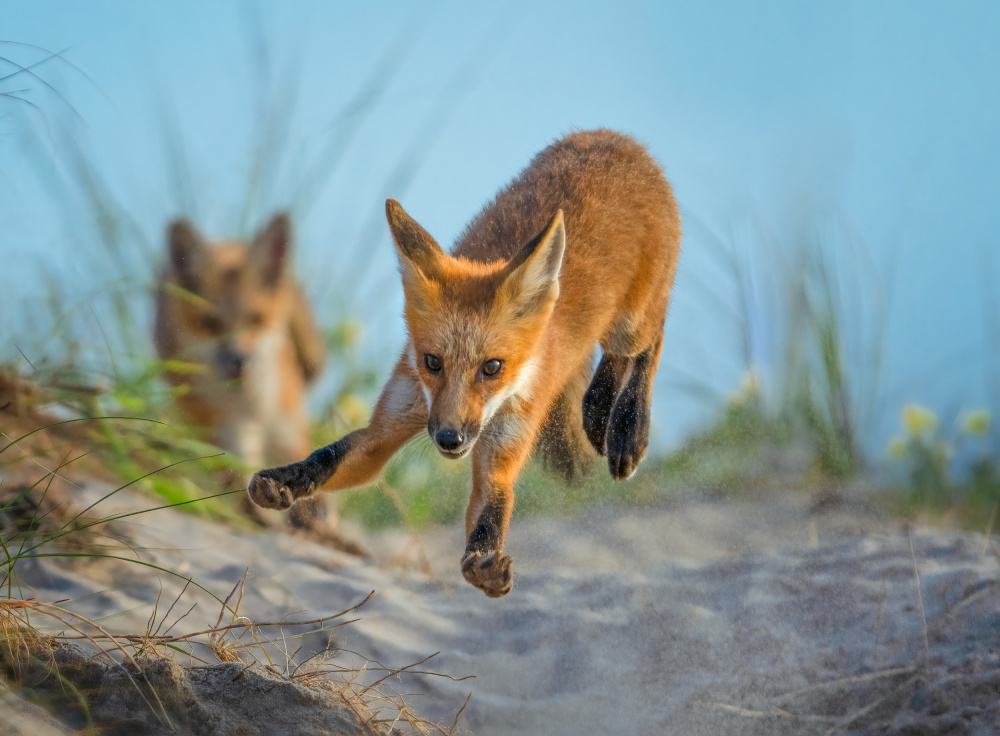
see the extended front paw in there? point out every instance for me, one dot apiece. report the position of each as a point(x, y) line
point(489, 571)
point(278, 488)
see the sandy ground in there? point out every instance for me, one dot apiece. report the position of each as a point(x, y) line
point(701, 617)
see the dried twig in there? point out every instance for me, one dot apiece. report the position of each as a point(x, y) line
point(397, 671)
point(161, 639)
point(454, 725)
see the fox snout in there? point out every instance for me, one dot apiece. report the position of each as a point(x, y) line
point(452, 441)
point(449, 440)
point(229, 364)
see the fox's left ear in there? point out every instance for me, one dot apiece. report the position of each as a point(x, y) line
point(532, 281)
point(270, 249)
point(420, 258)
point(187, 253)
point(415, 245)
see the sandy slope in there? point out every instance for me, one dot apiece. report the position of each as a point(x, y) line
point(702, 617)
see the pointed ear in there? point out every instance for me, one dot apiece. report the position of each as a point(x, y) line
point(417, 249)
point(187, 253)
point(269, 251)
point(532, 282)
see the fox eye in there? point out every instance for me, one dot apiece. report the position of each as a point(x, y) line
point(492, 367)
point(211, 323)
point(432, 362)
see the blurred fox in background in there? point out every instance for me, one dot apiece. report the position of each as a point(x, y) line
point(239, 332)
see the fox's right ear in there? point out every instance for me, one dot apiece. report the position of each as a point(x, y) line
point(187, 251)
point(269, 250)
point(417, 249)
point(531, 285)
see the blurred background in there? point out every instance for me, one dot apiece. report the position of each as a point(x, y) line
point(836, 166)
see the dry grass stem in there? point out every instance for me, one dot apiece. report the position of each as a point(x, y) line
point(991, 587)
point(920, 597)
point(771, 713)
point(846, 681)
point(858, 715)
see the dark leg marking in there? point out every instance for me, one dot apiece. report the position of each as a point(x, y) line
point(600, 398)
point(486, 536)
point(278, 488)
point(628, 428)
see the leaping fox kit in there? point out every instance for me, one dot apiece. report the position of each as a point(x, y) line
point(580, 249)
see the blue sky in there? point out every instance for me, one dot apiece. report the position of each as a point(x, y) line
point(874, 120)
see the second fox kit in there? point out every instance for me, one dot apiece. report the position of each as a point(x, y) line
point(580, 249)
point(239, 330)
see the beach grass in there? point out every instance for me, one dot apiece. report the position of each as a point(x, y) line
point(805, 306)
point(44, 517)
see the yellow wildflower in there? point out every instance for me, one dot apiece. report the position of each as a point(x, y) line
point(919, 420)
point(748, 391)
point(978, 422)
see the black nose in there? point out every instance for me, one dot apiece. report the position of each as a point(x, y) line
point(449, 439)
point(230, 363)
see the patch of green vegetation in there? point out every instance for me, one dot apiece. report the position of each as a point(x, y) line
point(124, 433)
point(928, 480)
point(419, 488)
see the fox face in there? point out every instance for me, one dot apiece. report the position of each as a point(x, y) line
point(229, 299)
point(474, 326)
point(239, 340)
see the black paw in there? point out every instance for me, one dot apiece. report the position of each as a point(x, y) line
point(489, 571)
point(278, 488)
point(628, 435)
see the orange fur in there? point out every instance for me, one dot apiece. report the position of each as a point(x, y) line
point(579, 250)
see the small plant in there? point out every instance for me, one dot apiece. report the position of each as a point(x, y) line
point(924, 453)
point(808, 309)
point(933, 478)
point(984, 476)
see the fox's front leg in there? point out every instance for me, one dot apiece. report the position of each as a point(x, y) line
point(488, 516)
point(356, 458)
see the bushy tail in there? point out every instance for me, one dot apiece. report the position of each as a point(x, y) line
point(562, 443)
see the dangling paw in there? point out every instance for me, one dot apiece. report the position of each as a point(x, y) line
point(628, 435)
point(489, 571)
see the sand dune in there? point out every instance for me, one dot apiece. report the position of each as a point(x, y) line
point(706, 616)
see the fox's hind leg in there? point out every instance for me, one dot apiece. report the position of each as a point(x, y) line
point(562, 443)
point(600, 397)
point(628, 427)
